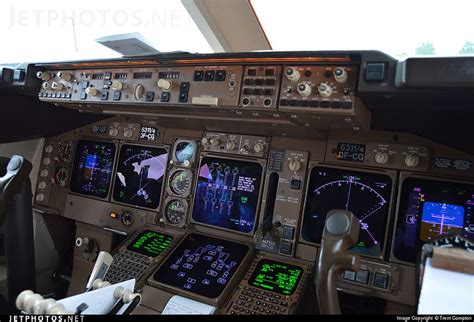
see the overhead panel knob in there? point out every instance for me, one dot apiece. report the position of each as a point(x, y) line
point(164, 84)
point(340, 75)
point(45, 85)
point(117, 85)
point(214, 141)
point(258, 147)
point(43, 76)
point(66, 76)
point(230, 145)
point(325, 90)
point(92, 91)
point(381, 157)
point(128, 133)
point(304, 89)
point(138, 91)
point(412, 160)
point(294, 165)
point(292, 74)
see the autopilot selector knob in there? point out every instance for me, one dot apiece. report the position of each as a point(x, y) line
point(412, 160)
point(294, 165)
point(340, 75)
point(381, 157)
point(292, 74)
point(66, 76)
point(117, 85)
point(92, 91)
point(164, 84)
point(43, 76)
point(325, 90)
point(304, 89)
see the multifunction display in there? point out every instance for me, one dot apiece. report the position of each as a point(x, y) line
point(93, 166)
point(430, 209)
point(365, 194)
point(202, 265)
point(139, 176)
point(150, 243)
point(275, 276)
point(227, 193)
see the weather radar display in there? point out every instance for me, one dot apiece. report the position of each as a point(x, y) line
point(139, 176)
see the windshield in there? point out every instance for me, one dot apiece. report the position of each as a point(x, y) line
point(32, 30)
point(399, 28)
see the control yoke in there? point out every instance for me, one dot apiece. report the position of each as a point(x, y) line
point(340, 233)
point(18, 170)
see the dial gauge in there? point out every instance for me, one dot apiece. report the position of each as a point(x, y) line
point(175, 211)
point(366, 195)
point(60, 175)
point(180, 182)
point(185, 151)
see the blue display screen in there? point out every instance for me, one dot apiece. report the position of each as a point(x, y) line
point(227, 193)
point(440, 219)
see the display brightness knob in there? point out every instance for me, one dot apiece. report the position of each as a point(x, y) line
point(412, 160)
point(381, 157)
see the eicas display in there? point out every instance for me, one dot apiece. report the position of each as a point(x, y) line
point(275, 276)
point(365, 194)
point(139, 176)
point(430, 209)
point(92, 169)
point(227, 193)
point(150, 243)
point(202, 265)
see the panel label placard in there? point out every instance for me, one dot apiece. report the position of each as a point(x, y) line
point(354, 152)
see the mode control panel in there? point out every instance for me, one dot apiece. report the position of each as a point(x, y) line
point(283, 199)
point(318, 87)
point(256, 146)
point(260, 86)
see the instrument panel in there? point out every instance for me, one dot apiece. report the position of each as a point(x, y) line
point(220, 209)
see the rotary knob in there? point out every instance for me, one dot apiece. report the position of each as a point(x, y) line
point(48, 149)
point(214, 141)
point(57, 86)
point(117, 85)
point(128, 133)
point(412, 160)
point(46, 161)
point(381, 157)
point(292, 74)
point(205, 141)
point(258, 147)
point(92, 91)
point(66, 76)
point(45, 85)
point(113, 131)
point(138, 91)
point(340, 75)
point(304, 89)
point(42, 185)
point(43, 76)
point(44, 173)
point(39, 197)
point(325, 90)
point(164, 84)
point(230, 145)
point(294, 165)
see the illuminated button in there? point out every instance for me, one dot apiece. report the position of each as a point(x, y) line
point(349, 275)
point(165, 97)
point(220, 75)
point(117, 95)
point(381, 280)
point(184, 87)
point(362, 277)
point(288, 232)
point(209, 75)
point(295, 184)
point(198, 75)
point(252, 72)
point(113, 215)
point(286, 247)
point(149, 96)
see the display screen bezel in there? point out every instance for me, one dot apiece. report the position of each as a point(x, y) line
point(390, 173)
point(165, 175)
point(407, 175)
point(237, 276)
point(73, 161)
point(260, 162)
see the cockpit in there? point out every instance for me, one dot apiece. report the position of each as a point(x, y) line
point(236, 157)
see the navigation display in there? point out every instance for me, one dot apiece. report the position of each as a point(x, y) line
point(202, 265)
point(430, 209)
point(365, 194)
point(227, 193)
point(275, 276)
point(92, 169)
point(150, 243)
point(139, 176)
